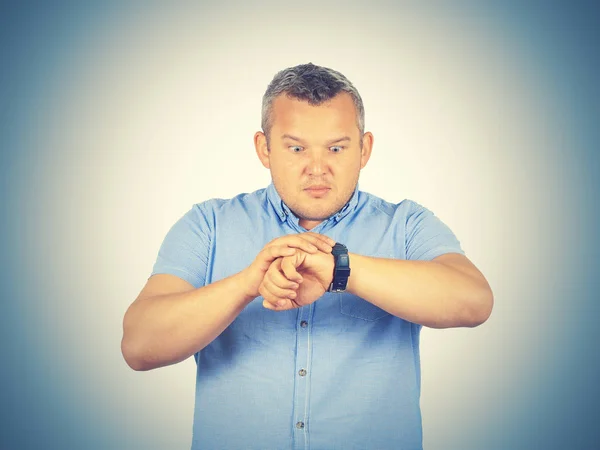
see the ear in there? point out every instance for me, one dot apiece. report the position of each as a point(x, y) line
point(367, 147)
point(262, 151)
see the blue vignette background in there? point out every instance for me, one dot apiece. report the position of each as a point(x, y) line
point(76, 207)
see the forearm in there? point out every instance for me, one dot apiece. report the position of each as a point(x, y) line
point(424, 292)
point(166, 329)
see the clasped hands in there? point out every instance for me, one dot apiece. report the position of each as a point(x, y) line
point(292, 271)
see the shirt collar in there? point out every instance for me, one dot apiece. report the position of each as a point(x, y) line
point(283, 211)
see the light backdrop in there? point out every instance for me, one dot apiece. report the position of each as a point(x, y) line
point(116, 119)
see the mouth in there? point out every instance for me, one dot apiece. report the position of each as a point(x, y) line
point(317, 190)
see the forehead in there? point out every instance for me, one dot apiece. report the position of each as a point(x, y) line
point(338, 115)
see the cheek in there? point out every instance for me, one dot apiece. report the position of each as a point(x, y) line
point(290, 167)
point(347, 169)
point(285, 170)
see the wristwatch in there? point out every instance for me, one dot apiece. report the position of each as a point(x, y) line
point(341, 269)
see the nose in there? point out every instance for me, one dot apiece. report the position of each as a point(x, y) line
point(317, 165)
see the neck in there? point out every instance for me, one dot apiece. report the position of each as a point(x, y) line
point(309, 224)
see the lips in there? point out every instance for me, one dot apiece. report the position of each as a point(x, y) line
point(317, 190)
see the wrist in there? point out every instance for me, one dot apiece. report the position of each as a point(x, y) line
point(341, 269)
point(355, 262)
point(244, 280)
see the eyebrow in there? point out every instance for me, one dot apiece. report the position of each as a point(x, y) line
point(335, 141)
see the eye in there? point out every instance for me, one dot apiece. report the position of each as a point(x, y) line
point(336, 149)
point(295, 149)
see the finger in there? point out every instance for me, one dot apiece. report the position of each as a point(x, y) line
point(309, 242)
point(321, 238)
point(302, 242)
point(289, 270)
point(271, 253)
point(269, 301)
point(321, 242)
point(278, 278)
point(284, 306)
point(275, 293)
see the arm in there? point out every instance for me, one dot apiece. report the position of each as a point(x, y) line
point(171, 320)
point(448, 291)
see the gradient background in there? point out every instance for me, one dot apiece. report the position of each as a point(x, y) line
point(116, 119)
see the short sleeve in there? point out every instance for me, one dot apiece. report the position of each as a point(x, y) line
point(186, 248)
point(427, 237)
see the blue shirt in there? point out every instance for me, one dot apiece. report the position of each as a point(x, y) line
point(338, 374)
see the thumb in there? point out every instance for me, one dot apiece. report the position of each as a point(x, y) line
point(288, 266)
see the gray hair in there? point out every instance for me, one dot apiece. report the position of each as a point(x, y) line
point(311, 83)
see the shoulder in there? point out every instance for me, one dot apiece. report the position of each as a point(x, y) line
point(403, 210)
point(241, 202)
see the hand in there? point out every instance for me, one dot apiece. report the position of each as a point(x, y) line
point(297, 280)
point(308, 242)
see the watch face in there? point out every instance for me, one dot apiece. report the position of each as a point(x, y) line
point(344, 259)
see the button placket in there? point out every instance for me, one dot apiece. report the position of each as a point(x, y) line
point(302, 380)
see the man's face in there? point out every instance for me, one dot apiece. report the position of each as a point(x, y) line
point(314, 155)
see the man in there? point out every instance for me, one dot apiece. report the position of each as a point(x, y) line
point(244, 286)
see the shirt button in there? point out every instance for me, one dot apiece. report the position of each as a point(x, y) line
point(302, 372)
point(299, 425)
point(304, 324)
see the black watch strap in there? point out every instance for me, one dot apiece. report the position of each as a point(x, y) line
point(341, 270)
